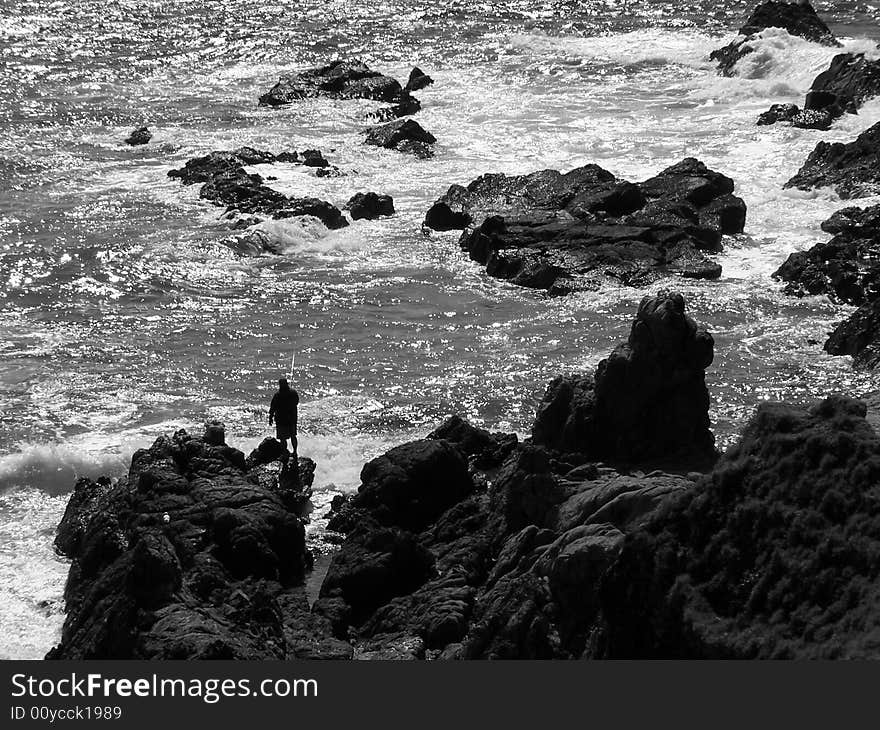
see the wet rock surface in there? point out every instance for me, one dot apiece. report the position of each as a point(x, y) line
point(418, 80)
point(225, 182)
point(139, 136)
point(798, 19)
point(469, 544)
point(849, 82)
point(647, 401)
point(561, 232)
point(846, 269)
point(337, 80)
point(198, 553)
point(852, 169)
point(403, 135)
point(369, 206)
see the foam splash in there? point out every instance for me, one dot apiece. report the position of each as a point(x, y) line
point(648, 46)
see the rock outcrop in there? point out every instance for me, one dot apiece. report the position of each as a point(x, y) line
point(849, 82)
point(337, 80)
point(471, 545)
point(647, 401)
point(403, 135)
point(846, 269)
point(198, 553)
point(853, 169)
point(139, 136)
point(369, 206)
point(225, 182)
point(798, 19)
point(560, 232)
point(418, 80)
point(858, 336)
point(775, 554)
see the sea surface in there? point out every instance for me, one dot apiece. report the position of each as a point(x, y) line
point(124, 313)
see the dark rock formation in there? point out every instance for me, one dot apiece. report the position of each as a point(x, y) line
point(227, 183)
point(647, 401)
point(849, 81)
point(774, 554)
point(799, 19)
point(846, 268)
point(500, 556)
point(369, 206)
point(193, 555)
point(778, 113)
point(337, 80)
point(139, 136)
point(853, 169)
point(404, 135)
point(557, 231)
point(470, 545)
point(859, 336)
point(418, 79)
point(404, 105)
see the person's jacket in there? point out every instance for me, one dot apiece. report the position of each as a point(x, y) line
point(283, 408)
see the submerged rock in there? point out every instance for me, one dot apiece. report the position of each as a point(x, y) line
point(798, 19)
point(648, 400)
point(139, 136)
point(775, 554)
point(404, 135)
point(853, 169)
point(191, 556)
point(337, 80)
point(369, 206)
point(225, 182)
point(558, 231)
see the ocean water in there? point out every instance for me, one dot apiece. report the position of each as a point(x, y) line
point(124, 314)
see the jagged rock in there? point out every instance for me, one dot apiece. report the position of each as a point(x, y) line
point(438, 612)
point(139, 136)
point(418, 79)
point(845, 85)
point(404, 135)
point(226, 182)
point(849, 81)
point(846, 268)
point(859, 336)
point(798, 19)
point(82, 506)
point(369, 206)
point(853, 169)
point(187, 557)
point(648, 400)
point(775, 554)
point(374, 565)
point(778, 113)
point(559, 232)
point(413, 484)
point(484, 450)
point(337, 80)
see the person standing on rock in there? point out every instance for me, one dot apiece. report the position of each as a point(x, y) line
point(283, 412)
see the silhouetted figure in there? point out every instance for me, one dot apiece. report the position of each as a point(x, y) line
point(283, 412)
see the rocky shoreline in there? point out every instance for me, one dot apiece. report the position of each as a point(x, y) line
point(615, 530)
